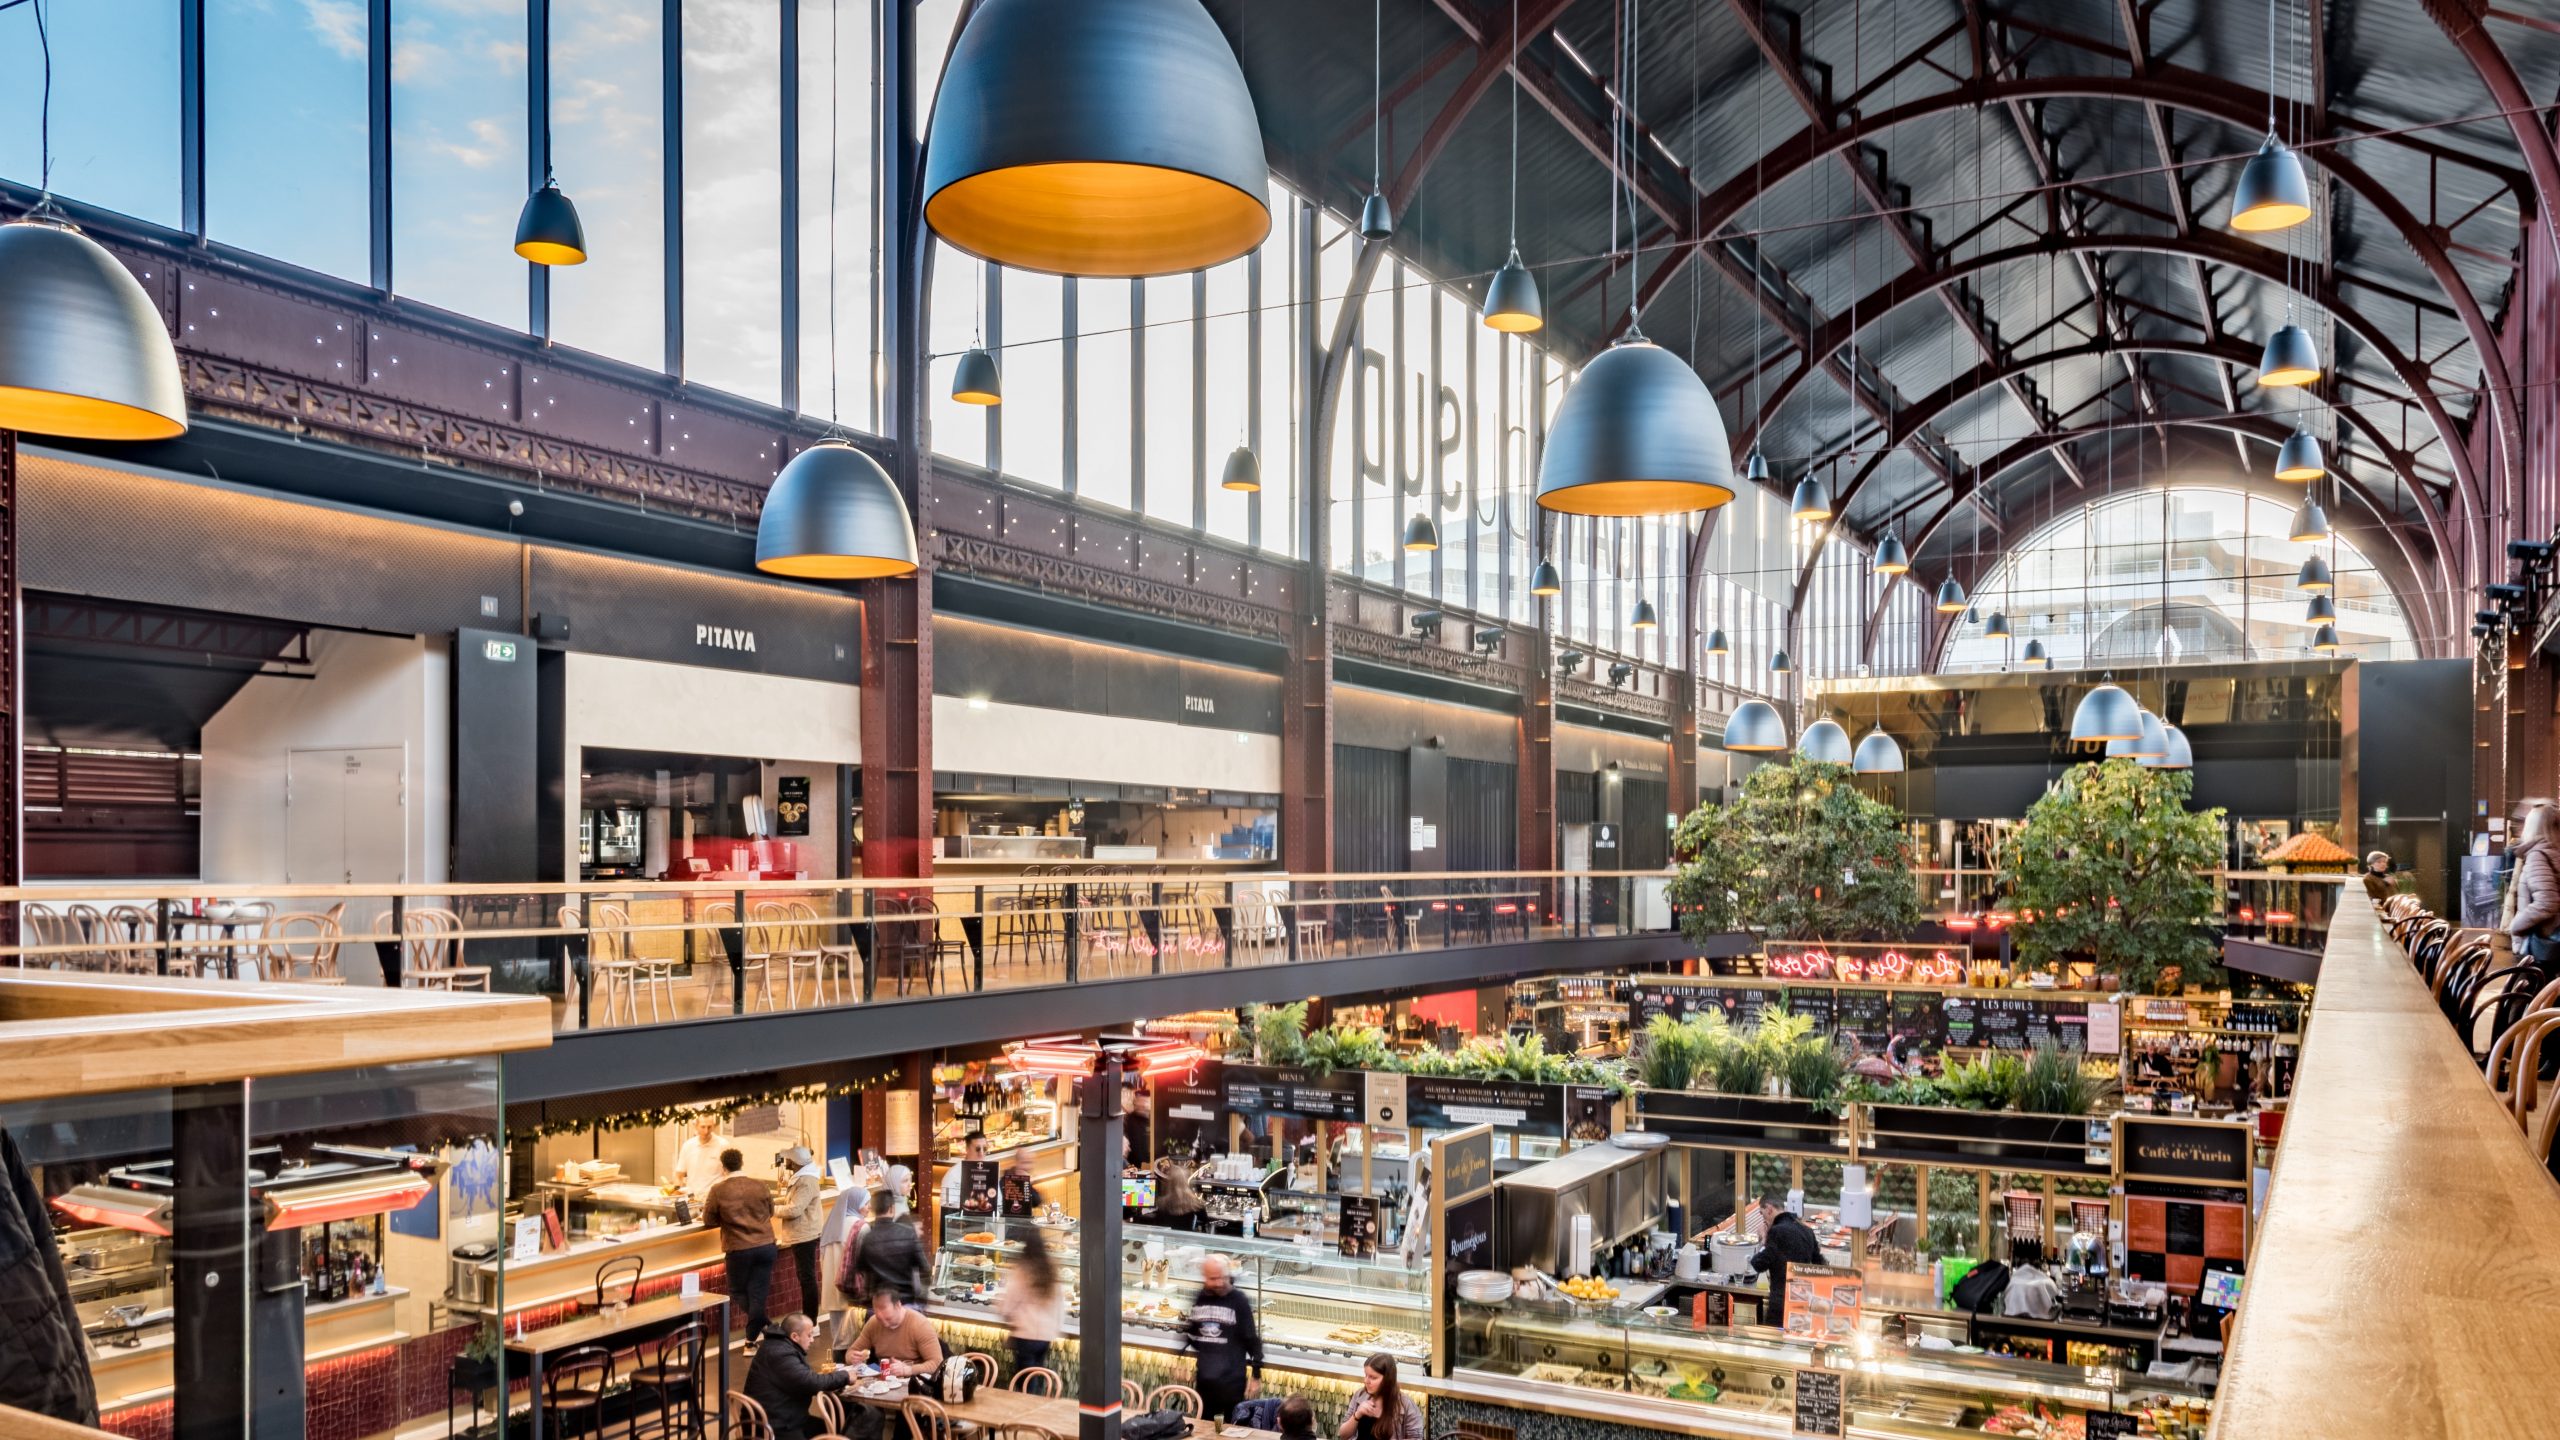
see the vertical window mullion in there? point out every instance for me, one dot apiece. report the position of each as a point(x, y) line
point(378, 121)
point(671, 161)
point(1137, 396)
point(1253, 391)
point(790, 216)
point(1199, 399)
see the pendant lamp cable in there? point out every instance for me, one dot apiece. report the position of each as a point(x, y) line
point(44, 116)
point(546, 89)
point(1515, 128)
point(835, 142)
point(1378, 94)
point(1759, 197)
point(1635, 64)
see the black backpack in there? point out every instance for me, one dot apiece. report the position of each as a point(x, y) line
point(1982, 1287)
point(1156, 1425)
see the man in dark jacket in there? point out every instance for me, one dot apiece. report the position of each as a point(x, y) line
point(782, 1380)
point(1786, 1241)
point(1222, 1334)
point(890, 1257)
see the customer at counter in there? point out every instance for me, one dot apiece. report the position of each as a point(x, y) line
point(1032, 1304)
point(890, 1256)
point(1786, 1241)
point(698, 1158)
point(741, 1207)
point(1221, 1332)
point(799, 1218)
point(782, 1380)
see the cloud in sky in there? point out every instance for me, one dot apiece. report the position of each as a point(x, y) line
point(339, 24)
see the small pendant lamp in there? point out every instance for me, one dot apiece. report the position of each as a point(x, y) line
point(2106, 713)
point(1377, 218)
point(2290, 358)
point(1812, 498)
point(1891, 557)
point(1878, 754)
point(547, 229)
point(1779, 664)
point(1244, 471)
point(2273, 193)
point(1544, 580)
point(1638, 434)
point(2320, 611)
point(1644, 618)
point(2300, 457)
point(1972, 616)
point(1755, 729)
point(1511, 301)
point(1716, 642)
point(1951, 599)
point(2314, 574)
point(1825, 741)
point(1420, 534)
point(83, 352)
point(974, 380)
point(1106, 138)
point(1755, 466)
point(2325, 639)
point(2310, 523)
point(834, 514)
point(1997, 628)
point(2034, 651)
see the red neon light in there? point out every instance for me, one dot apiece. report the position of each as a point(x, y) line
point(2247, 914)
point(1960, 922)
point(1939, 969)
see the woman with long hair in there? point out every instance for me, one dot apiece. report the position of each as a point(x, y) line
point(1032, 1303)
point(2533, 895)
point(1381, 1410)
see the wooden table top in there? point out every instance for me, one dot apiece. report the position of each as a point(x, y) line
point(600, 1326)
point(2407, 1272)
point(994, 1409)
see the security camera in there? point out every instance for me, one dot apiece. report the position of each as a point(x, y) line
point(1488, 638)
point(1426, 623)
point(1620, 674)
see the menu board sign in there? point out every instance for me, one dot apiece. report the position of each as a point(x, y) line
point(2001, 1022)
point(1819, 1005)
point(1818, 1403)
point(1443, 1102)
point(2193, 1152)
point(1186, 1108)
point(1270, 1090)
point(1864, 1017)
point(1469, 1244)
point(1918, 1016)
point(1823, 1303)
point(978, 1180)
point(1358, 1236)
point(1588, 1114)
point(2112, 1424)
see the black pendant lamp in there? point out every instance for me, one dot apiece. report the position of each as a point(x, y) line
point(975, 381)
point(1951, 599)
point(1544, 580)
point(1244, 472)
point(1825, 742)
point(2273, 193)
point(1420, 535)
point(83, 352)
point(1812, 500)
point(2325, 639)
point(1779, 664)
point(1644, 618)
point(1755, 466)
point(2105, 713)
point(1638, 434)
point(1377, 218)
point(2033, 653)
point(2314, 574)
point(834, 514)
point(1878, 754)
point(2291, 358)
point(2310, 523)
point(2300, 457)
point(1511, 301)
point(1891, 557)
point(1755, 728)
point(1716, 644)
point(1998, 626)
point(1105, 138)
point(547, 229)
point(2322, 609)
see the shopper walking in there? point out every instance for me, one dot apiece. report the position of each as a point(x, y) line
point(1221, 1332)
point(1381, 1411)
point(742, 1208)
point(799, 1217)
point(840, 1262)
point(1032, 1304)
point(891, 1258)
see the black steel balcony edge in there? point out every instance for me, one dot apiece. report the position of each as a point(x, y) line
point(596, 1061)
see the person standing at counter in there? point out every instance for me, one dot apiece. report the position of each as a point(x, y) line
point(698, 1158)
point(782, 1380)
point(890, 1257)
point(2534, 893)
point(742, 1207)
point(1221, 1332)
point(1381, 1398)
point(1787, 1241)
point(799, 1218)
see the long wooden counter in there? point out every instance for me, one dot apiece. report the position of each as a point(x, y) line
point(2406, 1278)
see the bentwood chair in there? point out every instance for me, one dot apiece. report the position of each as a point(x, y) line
point(673, 1377)
point(831, 1409)
point(784, 934)
point(1133, 1397)
point(433, 939)
point(1038, 1380)
point(304, 947)
point(983, 1363)
point(927, 1420)
point(747, 1420)
point(132, 940)
point(721, 916)
point(573, 1389)
point(1177, 1397)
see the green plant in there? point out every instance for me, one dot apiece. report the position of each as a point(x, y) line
point(2054, 1082)
point(1279, 1032)
point(1780, 1030)
point(1814, 1069)
point(1670, 1054)
point(1741, 1066)
point(1348, 1047)
point(2112, 867)
point(1988, 1082)
point(1800, 855)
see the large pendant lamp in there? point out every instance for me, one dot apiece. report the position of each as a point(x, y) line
point(1644, 618)
point(1105, 137)
point(1638, 434)
point(1244, 471)
point(2320, 610)
point(834, 514)
point(1544, 580)
point(1891, 557)
point(1825, 741)
point(2290, 359)
point(547, 229)
point(2325, 639)
point(1755, 729)
point(2273, 193)
point(2106, 713)
point(1878, 754)
point(2300, 457)
point(1812, 499)
point(1951, 599)
point(1716, 643)
point(83, 354)
point(2148, 742)
point(1420, 534)
point(1511, 301)
point(974, 380)
point(2314, 574)
point(2178, 755)
point(2310, 523)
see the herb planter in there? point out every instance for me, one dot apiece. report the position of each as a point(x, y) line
point(1983, 1139)
point(1742, 1122)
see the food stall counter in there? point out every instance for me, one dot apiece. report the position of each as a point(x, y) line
point(136, 1374)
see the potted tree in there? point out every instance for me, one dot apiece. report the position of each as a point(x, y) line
point(2112, 869)
point(1801, 855)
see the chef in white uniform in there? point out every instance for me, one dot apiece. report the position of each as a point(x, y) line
point(698, 1158)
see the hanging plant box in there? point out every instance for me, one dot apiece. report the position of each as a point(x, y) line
point(1934, 1135)
point(1742, 1122)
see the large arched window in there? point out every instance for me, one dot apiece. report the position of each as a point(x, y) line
point(2096, 587)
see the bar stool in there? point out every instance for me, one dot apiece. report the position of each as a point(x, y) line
point(576, 1386)
point(673, 1375)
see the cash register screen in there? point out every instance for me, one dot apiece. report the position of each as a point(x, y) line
point(2221, 1290)
point(1137, 1192)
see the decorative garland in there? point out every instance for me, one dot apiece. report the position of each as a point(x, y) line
point(658, 1116)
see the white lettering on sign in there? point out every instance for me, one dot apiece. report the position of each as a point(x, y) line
point(1200, 704)
point(721, 637)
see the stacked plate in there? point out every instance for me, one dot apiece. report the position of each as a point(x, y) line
point(1484, 1287)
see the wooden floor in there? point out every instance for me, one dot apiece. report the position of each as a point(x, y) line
point(2406, 1281)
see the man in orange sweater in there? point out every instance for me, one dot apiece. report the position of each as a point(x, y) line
point(743, 1209)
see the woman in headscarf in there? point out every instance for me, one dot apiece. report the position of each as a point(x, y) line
point(838, 1243)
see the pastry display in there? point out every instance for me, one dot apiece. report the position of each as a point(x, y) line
point(979, 1237)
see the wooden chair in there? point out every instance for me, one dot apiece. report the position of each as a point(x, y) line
point(304, 947)
point(433, 941)
point(908, 943)
point(784, 933)
point(830, 1405)
point(1177, 1397)
point(133, 936)
point(747, 1420)
point(722, 915)
point(984, 1363)
point(927, 1420)
point(573, 1389)
point(1038, 1380)
point(673, 1375)
point(1133, 1397)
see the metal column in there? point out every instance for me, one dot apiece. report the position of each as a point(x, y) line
point(1098, 1253)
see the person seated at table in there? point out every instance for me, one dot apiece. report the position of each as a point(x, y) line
point(783, 1381)
point(902, 1342)
point(1380, 1410)
point(1297, 1419)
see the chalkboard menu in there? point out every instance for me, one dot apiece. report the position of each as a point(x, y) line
point(1918, 1015)
point(1963, 1020)
point(1815, 1003)
point(1818, 1402)
point(2003, 1022)
point(1674, 1000)
point(1269, 1090)
point(1865, 1016)
point(2112, 1425)
point(1743, 1004)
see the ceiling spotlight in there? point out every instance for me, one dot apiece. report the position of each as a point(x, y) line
point(1571, 660)
point(2489, 618)
point(1487, 639)
point(1620, 673)
point(1425, 623)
